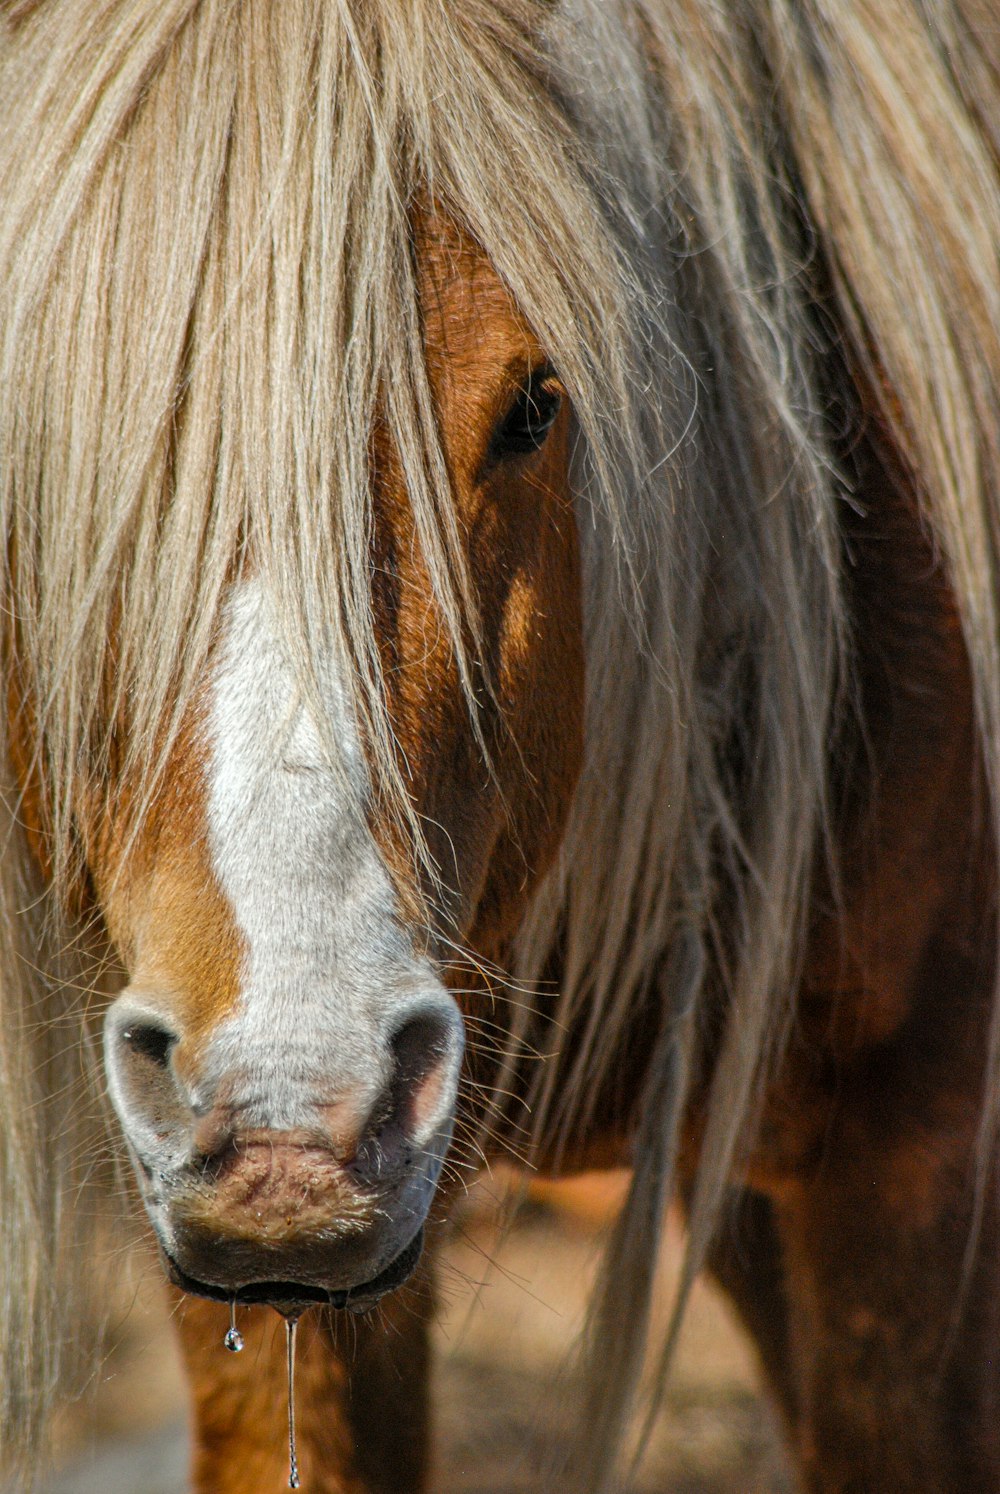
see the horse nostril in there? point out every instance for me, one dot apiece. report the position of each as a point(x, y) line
point(154, 1043)
point(138, 1050)
point(424, 1051)
point(415, 1106)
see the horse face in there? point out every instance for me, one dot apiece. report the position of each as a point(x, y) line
point(285, 1059)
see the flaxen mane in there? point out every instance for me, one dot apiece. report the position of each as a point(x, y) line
point(207, 286)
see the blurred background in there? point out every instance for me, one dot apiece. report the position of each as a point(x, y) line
point(512, 1300)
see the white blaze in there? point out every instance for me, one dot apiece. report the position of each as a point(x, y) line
point(328, 973)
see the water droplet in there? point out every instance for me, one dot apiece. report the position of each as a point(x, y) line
point(233, 1339)
point(293, 1465)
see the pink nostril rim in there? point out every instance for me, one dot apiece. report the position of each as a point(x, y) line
point(423, 1052)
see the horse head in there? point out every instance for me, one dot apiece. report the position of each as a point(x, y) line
point(285, 1058)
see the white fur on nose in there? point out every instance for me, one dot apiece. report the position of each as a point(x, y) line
point(329, 974)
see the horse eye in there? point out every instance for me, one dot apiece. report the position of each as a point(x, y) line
point(530, 418)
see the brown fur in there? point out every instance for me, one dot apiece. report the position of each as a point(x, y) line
point(848, 1251)
point(158, 892)
point(517, 524)
point(361, 1398)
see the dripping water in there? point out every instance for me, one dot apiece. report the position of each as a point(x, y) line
point(291, 1324)
point(233, 1339)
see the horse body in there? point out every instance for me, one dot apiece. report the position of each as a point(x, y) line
point(487, 552)
point(861, 1189)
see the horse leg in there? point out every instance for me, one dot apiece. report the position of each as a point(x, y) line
point(897, 1383)
point(850, 1277)
point(746, 1260)
point(361, 1398)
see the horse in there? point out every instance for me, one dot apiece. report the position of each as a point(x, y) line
point(500, 636)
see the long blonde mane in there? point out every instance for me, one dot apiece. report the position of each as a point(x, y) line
point(206, 282)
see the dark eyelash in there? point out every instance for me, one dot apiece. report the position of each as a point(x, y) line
point(531, 416)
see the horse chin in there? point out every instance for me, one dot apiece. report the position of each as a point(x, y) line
point(291, 1298)
point(285, 1222)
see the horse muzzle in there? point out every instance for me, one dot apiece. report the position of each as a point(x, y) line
point(284, 1221)
point(267, 1185)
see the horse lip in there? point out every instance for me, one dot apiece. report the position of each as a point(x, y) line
point(295, 1296)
